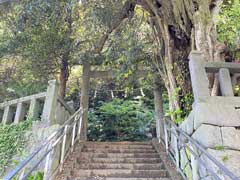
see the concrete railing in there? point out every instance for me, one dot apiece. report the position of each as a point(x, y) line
point(17, 110)
point(47, 106)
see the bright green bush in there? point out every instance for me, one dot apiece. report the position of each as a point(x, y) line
point(12, 142)
point(119, 120)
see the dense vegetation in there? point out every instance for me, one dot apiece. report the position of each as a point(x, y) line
point(12, 142)
point(119, 120)
point(229, 27)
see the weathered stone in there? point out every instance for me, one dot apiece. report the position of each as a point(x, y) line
point(225, 82)
point(224, 100)
point(59, 114)
point(25, 99)
point(198, 75)
point(215, 114)
point(187, 124)
point(70, 104)
point(20, 113)
point(209, 136)
point(34, 108)
point(50, 103)
point(231, 137)
point(228, 158)
point(8, 115)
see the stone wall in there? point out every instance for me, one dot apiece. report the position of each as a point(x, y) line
point(215, 120)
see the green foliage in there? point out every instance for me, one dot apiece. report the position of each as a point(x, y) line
point(237, 90)
point(12, 141)
point(228, 23)
point(36, 176)
point(186, 106)
point(120, 120)
point(177, 114)
point(187, 101)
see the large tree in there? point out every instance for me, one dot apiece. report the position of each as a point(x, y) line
point(180, 26)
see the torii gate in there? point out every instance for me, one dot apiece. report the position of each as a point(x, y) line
point(84, 100)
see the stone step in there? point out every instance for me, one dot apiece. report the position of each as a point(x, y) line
point(121, 143)
point(119, 155)
point(111, 178)
point(125, 146)
point(120, 173)
point(119, 160)
point(114, 161)
point(117, 150)
point(132, 166)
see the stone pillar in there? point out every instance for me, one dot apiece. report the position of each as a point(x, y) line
point(158, 103)
point(199, 77)
point(225, 82)
point(34, 109)
point(84, 101)
point(59, 114)
point(50, 104)
point(8, 115)
point(20, 113)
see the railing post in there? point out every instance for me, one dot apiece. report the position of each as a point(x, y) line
point(225, 82)
point(50, 104)
point(47, 168)
point(20, 113)
point(80, 126)
point(63, 147)
point(8, 115)
point(22, 174)
point(176, 149)
point(166, 135)
point(34, 108)
point(194, 164)
point(73, 135)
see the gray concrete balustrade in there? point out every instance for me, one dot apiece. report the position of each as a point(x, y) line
point(17, 110)
point(47, 106)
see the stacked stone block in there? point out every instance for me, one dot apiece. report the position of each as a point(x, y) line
point(215, 120)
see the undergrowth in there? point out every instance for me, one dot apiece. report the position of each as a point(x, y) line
point(12, 142)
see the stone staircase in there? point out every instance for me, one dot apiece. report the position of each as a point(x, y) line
point(115, 161)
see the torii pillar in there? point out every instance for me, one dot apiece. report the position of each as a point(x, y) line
point(84, 101)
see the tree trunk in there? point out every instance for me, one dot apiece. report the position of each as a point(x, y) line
point(64, 74)
point(182, 26)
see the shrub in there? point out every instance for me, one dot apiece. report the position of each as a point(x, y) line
point(12, 142)
point(120, 120)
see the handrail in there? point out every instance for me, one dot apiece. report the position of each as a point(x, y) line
point(57, 138)
point(182, 140)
